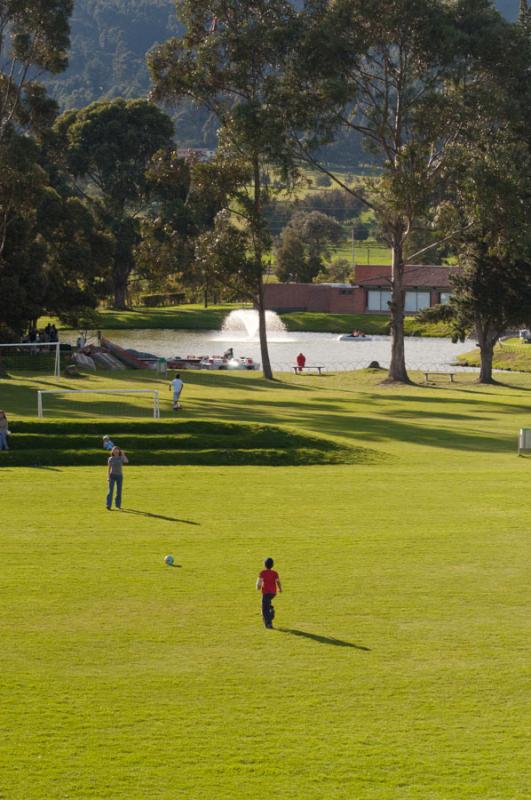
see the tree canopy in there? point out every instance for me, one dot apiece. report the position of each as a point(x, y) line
point(109, 146)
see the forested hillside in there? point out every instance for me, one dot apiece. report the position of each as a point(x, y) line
point(107, 58)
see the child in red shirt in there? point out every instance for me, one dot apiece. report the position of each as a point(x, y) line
point(268, 581)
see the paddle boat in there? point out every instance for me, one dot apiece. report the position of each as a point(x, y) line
point(221, 362)
point(354, 336)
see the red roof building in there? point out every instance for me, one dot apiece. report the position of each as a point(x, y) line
point(425, 286)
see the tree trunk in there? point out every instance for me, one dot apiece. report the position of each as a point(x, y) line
point(256, 223)
point(120, 293)
point(486, 347)
point(397, 367)
point(264, 350)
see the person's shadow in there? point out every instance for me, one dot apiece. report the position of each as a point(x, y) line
point(323, 639)
point(158, 516)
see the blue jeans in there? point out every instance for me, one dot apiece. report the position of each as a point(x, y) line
point(118, 480)
point(268, 612)
point(3, 441)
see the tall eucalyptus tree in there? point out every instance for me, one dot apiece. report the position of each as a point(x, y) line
point(229, 61)
point(394, 72)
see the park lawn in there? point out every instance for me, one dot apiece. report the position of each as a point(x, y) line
point(189, 317)
point(195, 317)
point(366, 251)
point(399, 667)
point(510, 355)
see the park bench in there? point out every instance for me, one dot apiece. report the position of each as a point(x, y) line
point(449, 375)
point(296, 370)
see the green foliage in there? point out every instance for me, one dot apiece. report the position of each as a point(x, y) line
point(110, 39)
point(340, 270)
point(109, 146)
point(34, 38)
point(396, 73)
point(52, 256)
point(304, 243)
point(231, 60)
point(337, 203)
point(488, 183)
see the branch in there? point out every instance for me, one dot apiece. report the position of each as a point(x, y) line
point(439, 241)
point(317, 164)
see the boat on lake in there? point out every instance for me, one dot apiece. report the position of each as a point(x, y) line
point(351, 337)
point(221, 362)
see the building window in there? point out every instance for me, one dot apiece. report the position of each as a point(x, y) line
point(378, 299)
point(345, 291)
point(444, 297)
point(416, 301)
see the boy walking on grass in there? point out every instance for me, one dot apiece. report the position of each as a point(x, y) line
point(268, 581)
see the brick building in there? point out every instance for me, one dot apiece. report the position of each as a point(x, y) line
point(425, 285)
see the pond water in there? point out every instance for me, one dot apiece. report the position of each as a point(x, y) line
point(422, 353)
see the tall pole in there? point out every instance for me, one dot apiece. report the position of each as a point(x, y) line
point(353, 255)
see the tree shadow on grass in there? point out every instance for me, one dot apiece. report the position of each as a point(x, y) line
point(158, 516)
point(354, 426)
point(323, 639)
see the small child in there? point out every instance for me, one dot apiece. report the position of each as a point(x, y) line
point(4, 431)
point(177, 385)
point(268, 581)
point(107, 444)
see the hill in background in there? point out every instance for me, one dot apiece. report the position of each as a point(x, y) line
point(109, 42)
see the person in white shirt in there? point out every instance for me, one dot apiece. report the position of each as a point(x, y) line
point(177, 385)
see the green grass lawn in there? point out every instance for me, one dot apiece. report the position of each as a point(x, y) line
point(512, 355)
point(399, 667)
point(195, 317)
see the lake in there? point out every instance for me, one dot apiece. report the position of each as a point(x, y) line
point(422, 353)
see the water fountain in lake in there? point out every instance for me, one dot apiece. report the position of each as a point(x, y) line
point(242, 324)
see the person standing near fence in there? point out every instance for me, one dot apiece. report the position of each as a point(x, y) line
point(4, 431)
point(116, 461)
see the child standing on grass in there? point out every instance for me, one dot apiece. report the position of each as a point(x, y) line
point(268, 581)
point(116, 461)
point(177, 385)
point(4, 431)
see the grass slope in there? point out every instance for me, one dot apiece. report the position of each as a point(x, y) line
point(510, 355)
point(45, 444)
point(194, 317)
point(399, 667)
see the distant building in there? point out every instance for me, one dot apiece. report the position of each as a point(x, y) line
point(425, 286)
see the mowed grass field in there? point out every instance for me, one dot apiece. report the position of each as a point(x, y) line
point(399, 667)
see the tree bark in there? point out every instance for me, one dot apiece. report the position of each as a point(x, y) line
point(120, 293)
point(264, 350)
point(256, 223)
point(397, 367)
point(486, 347)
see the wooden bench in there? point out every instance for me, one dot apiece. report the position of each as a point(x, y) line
point(450, 375)
point(296, 370)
